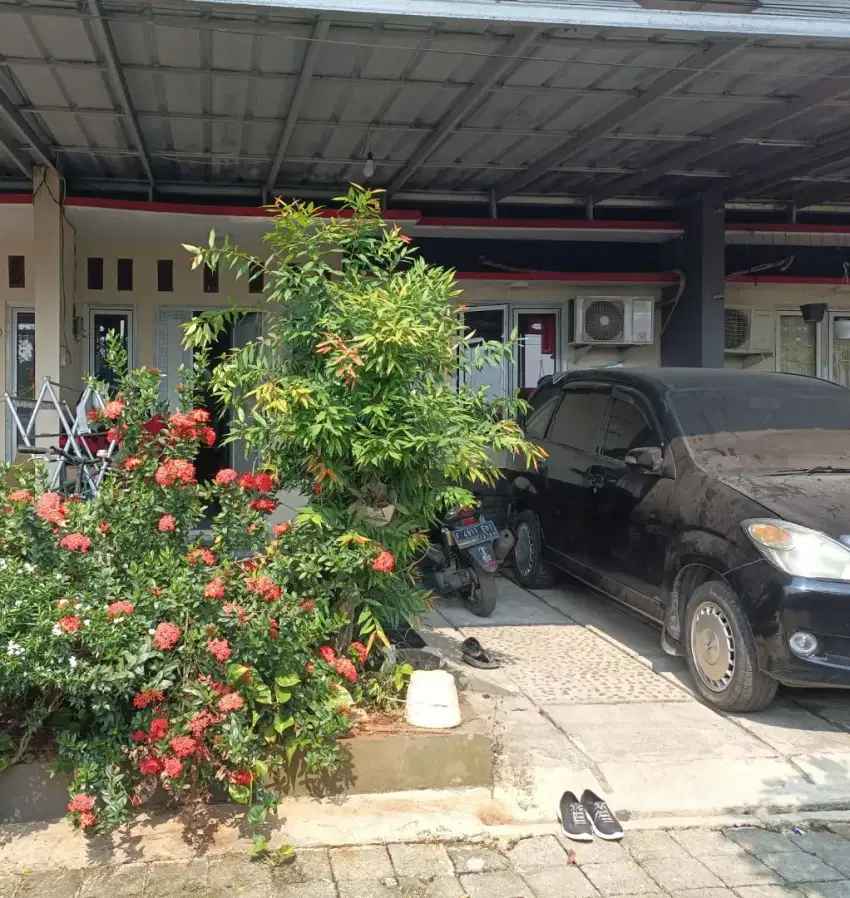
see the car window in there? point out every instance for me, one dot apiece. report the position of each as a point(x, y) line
point(543, 404)
point(579, 419)
point(627, 429)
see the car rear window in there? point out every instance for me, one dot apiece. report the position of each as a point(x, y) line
point(767, 426)
point(543, 403)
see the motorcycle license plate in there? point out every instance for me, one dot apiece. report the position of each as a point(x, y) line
point(485, 532)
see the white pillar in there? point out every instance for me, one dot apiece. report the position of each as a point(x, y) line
point(48, 288)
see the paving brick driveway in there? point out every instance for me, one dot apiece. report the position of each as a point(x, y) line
point(689, 863)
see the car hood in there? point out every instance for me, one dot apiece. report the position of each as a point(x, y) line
point(819, 501)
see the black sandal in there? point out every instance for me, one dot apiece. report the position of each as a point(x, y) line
point(474, 655)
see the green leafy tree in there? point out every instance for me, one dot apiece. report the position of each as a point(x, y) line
point(355, 394)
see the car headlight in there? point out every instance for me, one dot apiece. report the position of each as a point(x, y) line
point(798, 550)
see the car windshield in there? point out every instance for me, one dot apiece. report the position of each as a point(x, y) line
point(766, 427)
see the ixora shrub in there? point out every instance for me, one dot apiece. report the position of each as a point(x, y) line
point(354, 394)
point(160, 662)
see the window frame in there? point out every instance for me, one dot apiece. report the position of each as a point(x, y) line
point(93, 312)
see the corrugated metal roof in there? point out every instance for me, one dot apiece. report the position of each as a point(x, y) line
point(212, 86)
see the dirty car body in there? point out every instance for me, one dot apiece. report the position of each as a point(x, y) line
point(714, 502)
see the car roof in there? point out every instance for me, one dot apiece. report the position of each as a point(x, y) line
point(661, 380)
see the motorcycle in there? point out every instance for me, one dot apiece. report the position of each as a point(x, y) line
point(466, 551)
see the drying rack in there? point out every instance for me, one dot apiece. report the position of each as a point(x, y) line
point(72, 425)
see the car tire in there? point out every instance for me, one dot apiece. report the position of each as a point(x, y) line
point(721, 652)
point(531, 570)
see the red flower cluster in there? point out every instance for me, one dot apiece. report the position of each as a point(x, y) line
point(214, 589)
point(166, 523)
point(225, 476)
point(69, 624)
point(175, 469)
point(281, 529)
point(360, 650)
point(264, 506)
point(75, 542)
point(274, 629)
point(265, 587)
point(147, 697)
point(165, 636)
point(328, 654)
point(122, 607)
point(219, 649)
point(183, 746)
point(131, 462)
point(232, 702)
point(238, 610)
point(86, 820)
point(139, 736)
point(384, 562)
point(241, 777)
point(150, 766)
point(104, 528)
point(158, 728)
point(114, 409)
point(307, 605)
point(200, 722)
point(192, 426)
point(81, 803)
point(346, 669)
point(115, 435)
point(207, 556)
point(51, 508)
point(20, 496)
point(172, 767)
point(93, 414)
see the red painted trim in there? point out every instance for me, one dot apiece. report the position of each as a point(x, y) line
point(592, 276)
point(16, 199)
point(198, 209)
point(778, 279)
point(789, 228)
point(548, 223)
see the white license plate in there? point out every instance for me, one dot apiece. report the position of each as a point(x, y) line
point(486, 532)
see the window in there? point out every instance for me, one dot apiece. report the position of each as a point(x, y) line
point(125, 275)
point(20, 362)
point(102, 322)
point(255, 279)
point(796, 345)
point(165, 275)
point(487, 324)
point(95, 273)
point(542, 408)
point(537, 348)
point(210, 279)
point(579, 420)
point(627, 429)
point(17, 272)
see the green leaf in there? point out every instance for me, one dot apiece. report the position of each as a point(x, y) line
point(239, 794)
point(262, 694)
point(235, 672)
point(282, 725)
point(282, 696)
point(257, 815)
point(286, 680)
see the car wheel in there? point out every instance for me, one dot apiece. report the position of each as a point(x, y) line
point(721, 652)
point(531, 570)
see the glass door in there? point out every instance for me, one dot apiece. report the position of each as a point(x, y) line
point(538, 348)
point(796, 345)
point(838, 337)
point(20, 355)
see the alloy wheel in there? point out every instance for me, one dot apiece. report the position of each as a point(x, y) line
point(524, 550)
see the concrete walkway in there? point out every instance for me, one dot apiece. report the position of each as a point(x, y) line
point(688, 863)
point(587, 698)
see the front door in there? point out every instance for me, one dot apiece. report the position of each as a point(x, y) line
point(628, 537)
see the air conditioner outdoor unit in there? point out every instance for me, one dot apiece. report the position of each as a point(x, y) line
point(616, 320)
point(748, 331)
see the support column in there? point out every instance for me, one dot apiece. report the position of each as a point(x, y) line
point(693, 329)
point(47, 288)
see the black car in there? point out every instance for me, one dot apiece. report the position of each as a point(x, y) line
point(714, 502)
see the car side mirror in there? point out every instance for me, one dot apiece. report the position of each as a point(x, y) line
point(647, 458)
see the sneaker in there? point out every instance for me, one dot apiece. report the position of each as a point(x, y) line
point(573, 819)
point(602, 821)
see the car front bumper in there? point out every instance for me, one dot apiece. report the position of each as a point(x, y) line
point(820, 607)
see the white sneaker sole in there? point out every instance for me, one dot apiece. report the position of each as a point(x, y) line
point(576, 837)
point(613, 837)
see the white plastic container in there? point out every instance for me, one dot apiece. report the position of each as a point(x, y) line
point(432, 700)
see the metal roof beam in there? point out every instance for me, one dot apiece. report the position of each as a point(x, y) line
point(27, 132)
point(818, 157)
point(745, 126)
point(492, 70)
point(692, 68)
point(119, 83)
point(320, 32)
